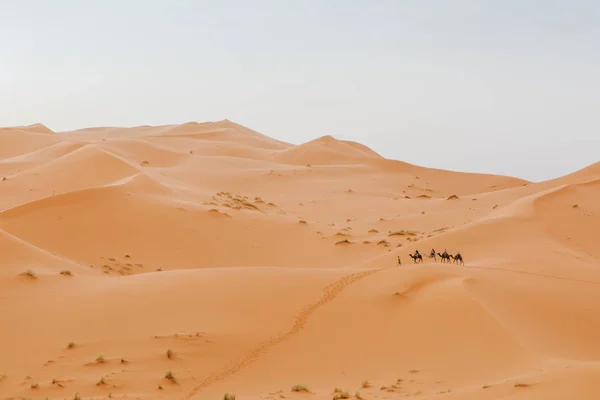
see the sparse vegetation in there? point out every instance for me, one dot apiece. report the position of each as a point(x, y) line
point(71, 345)
point(66, 272)
point(169, 375)
point(485, 386)
point(300, 388)
point(77, 396)
point(170, 354)
point(358, 396)
point(35, 385)
point(100, 360)
point(302, 222)
point(403, 233)
point(366, 384)
point(101, 382)
point(453, 197)
point(345, 241)
point(229, 396)
point(29, 274)
point(341, 395)
point(575, 205)
point(520, 384)
point(373, 231)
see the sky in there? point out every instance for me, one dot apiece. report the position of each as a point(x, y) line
point(507, 87)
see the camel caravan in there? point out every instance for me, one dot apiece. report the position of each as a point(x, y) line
point(444, 257)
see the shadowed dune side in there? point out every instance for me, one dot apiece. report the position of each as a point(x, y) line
point(145, 154)
point(19, 256)
point(209, 148)
point(16, 142)
point(571, 215)
point(86, 167)
point(21, 163)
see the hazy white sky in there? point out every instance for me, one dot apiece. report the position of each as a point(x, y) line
point(509, 86)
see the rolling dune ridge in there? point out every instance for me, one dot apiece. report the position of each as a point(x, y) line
point(189, 261)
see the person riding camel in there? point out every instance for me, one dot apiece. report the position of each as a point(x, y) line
point(432, 253)
point(417, 253)
point(445, 253)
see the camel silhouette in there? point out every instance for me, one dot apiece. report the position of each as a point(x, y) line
point(432, 255)
point(445, 257)
point(458, 259)
point(417, 257)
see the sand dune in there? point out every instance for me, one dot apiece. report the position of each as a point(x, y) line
point(262, 265)
point(325, 150)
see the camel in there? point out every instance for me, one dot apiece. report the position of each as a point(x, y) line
point(432, 255)
point(458, 259)
point(417, 257)
point(445, 257)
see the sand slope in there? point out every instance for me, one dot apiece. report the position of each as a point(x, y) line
point(262, 265)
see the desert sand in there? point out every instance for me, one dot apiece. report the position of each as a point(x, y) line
point(190, 261)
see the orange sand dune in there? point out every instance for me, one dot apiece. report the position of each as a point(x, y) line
point(325, 150)
point(263, 265)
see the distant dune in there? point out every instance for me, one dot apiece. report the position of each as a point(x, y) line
point(189, 261)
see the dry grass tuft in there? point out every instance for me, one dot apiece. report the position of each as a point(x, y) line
point(170, 354)
point(66, 272)
point(29, 274)
point(300, 388)
point(575, 206)
point(345, 241)
point(229, 396)
point(366, 384)
point(71, 345)
point(169, 375)
point(101, 382)
point(100, 360)
point(341, 395)
point(403, 233)
point(453, 197)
